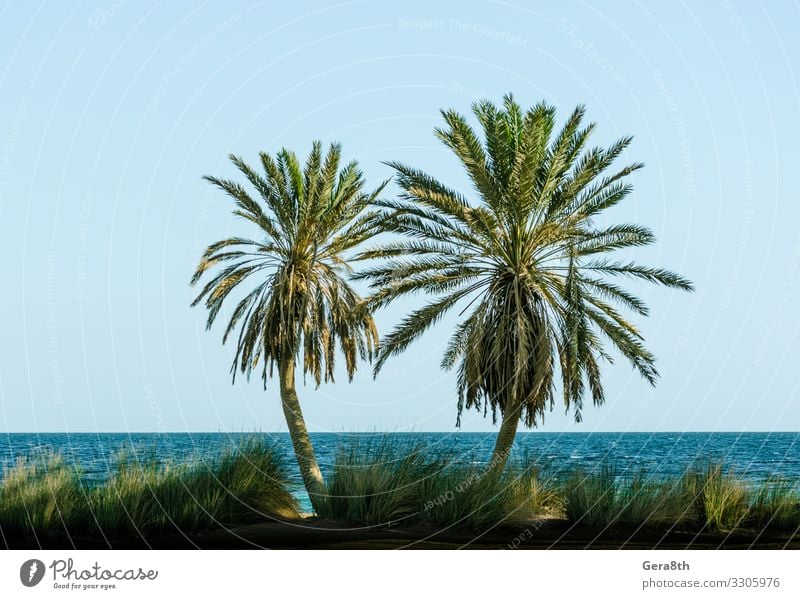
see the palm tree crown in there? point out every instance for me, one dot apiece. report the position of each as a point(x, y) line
point(300, 299)
point(522, 259)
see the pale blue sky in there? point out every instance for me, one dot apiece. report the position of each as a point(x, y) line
point(112, 112)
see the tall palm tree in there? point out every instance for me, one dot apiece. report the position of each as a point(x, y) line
point(297, 300)
point(522, 258)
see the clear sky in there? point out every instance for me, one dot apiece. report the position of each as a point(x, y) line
point(113, 110)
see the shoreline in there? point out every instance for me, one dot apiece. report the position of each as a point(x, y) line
point(388, 497)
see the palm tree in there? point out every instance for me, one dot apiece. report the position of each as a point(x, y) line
point(523, 259)
point(297, 299)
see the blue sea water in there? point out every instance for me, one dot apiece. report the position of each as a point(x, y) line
point(753, 456)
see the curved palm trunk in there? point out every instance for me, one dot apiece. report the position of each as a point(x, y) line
point(303, 449)
point(505, 440)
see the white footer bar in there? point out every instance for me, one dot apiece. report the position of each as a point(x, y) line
point(386, 574)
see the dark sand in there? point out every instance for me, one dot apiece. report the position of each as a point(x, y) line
point(314, 533)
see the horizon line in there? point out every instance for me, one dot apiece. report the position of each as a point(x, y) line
point(385, 432)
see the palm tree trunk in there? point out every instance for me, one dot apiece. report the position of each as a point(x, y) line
point(303, 449)
point(505, 440)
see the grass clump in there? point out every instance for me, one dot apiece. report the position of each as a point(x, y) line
point(377, 482)
point(474, 497)
point(142, 495)
point(707, 497)
point(242, 485)
point(775, 505)
point(383, 483)
point(603, 498)
point(718, 498)
point(41, 494)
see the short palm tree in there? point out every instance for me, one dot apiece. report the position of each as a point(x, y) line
point(521, 257)
point(297, 300)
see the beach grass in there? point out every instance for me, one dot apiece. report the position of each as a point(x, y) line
point(471, 496)
point(707, 497)
point(41, 494)
point(376, 482)
point(46, 495)
point(380, 483)
point(603, 498)
point(720, 501)
point(776, 506)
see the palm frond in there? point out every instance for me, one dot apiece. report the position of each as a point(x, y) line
point(297, 300)
point(524, 261)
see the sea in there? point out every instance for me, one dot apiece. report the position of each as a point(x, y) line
point(752, 456)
